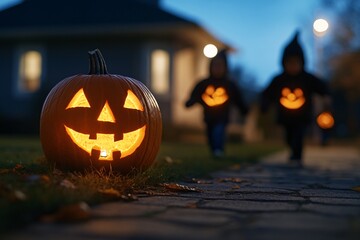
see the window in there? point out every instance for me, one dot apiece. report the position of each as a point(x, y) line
point(30, 70)
point(160, 71)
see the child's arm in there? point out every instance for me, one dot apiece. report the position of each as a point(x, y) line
point(322, 88)
point(194, 97)
point(267, 96)
point(238, 100)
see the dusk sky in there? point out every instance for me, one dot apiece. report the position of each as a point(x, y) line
point(258, 29)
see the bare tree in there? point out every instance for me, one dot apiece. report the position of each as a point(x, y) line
point(346, 34)
point(343, 49)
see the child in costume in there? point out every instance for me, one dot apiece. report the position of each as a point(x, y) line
point(291, 91)
point(216, 94)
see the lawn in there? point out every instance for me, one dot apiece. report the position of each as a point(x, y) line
point(30, 189)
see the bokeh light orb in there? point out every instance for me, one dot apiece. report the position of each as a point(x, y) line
point(210, 50)
point(320, 26)
point(325, 120)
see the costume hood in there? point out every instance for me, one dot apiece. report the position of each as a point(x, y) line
point(293, 49)
point(221, 55)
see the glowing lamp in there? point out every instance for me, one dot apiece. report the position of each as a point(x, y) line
point(320, 26)
point(214, 96)
point(210, 50)
point(100, 120)
point(292, 99)
point(325, 120)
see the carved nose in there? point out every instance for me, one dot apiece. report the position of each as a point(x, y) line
point(106, 115)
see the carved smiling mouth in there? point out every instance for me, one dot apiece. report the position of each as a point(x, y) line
point(292, 104)
point(214, 97)
point(292, 100)
point(104, 147)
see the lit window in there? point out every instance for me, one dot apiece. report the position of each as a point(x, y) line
point(160, 71)
point(30, 68)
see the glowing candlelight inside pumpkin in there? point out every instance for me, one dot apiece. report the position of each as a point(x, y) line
point(103, 153)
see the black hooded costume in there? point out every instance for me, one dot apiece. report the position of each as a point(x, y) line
point(217, 113)
point(292, 96)
point(216, 94)
point(302, 85)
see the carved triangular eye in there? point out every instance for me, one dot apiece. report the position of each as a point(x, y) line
point(132, 102)
point(210, 90)
point(106, 115)
point(79, 100)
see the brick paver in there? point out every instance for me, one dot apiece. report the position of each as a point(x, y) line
point(269, 200)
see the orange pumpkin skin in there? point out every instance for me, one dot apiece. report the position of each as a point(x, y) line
point(101, 89)
point(325, 120)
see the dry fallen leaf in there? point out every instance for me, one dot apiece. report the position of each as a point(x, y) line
point(10, 194)
point(18, 195)
point(111, 192)
point(69, 213)
point(168, 160)
point(129, 197)
point(4, 171)
point(179, 188)
point(18, 166)
point(235, 167)
point(357, 188)
point(45, 178)
point(201, 181)
point(156, 193)
point(192, 205)
point(57, 172)
point(37, 178)
point(230, 179)
point(67, 184)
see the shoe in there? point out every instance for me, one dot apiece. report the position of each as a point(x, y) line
point(218, 153)
point(297, 163)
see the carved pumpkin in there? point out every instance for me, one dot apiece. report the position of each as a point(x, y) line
point(214, 96)
point(100, 120)
point(292, 99)
point(325, 120)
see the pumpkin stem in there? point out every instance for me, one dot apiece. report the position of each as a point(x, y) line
point(97, 63)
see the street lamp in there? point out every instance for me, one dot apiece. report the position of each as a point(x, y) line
point(320, 27)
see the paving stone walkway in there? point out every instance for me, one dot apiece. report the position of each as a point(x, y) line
point(269, 200)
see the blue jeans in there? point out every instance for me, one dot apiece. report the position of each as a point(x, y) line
point(216, 136)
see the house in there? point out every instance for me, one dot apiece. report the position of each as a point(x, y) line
point(43, 42)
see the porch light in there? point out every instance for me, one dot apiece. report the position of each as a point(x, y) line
point(210, 50)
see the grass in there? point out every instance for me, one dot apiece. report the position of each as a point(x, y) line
point(31, 188)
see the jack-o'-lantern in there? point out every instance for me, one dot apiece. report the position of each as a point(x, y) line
point(100, 120)
point(292, 99)
point(214, 96)
point(325, 120)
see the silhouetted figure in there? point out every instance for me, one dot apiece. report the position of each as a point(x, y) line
point(291, 91)
point(216, 94)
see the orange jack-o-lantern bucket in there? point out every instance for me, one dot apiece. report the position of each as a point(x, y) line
point(325, 120)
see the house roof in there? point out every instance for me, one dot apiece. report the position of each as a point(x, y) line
point(84, 12)
point(42, 15)
point(39, 18)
